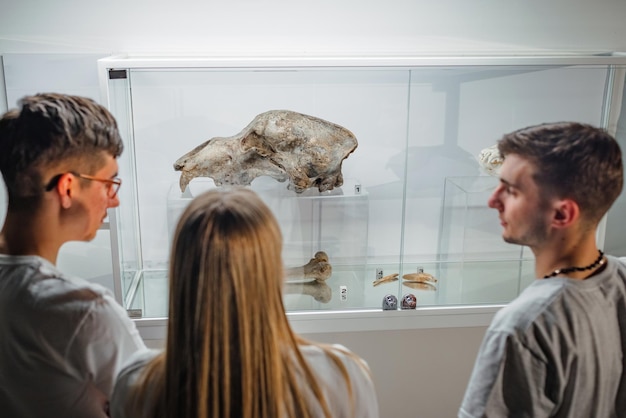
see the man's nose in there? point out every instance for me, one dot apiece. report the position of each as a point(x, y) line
point(494, 200)
point(115, 201)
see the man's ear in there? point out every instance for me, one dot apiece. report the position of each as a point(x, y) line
point(566, 212)
point(65, 189)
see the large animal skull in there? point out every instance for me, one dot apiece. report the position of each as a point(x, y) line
point(279, 143)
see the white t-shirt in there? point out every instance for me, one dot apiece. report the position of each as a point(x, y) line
point(331, 381)
point(62, 341)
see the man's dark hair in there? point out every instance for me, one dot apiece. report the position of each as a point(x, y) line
point(571, 160)
point(49, 129)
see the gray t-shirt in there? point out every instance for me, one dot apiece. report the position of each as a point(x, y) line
point(332, 383)
point(62, 341)
point(555, 351)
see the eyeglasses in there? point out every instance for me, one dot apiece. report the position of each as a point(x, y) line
point(113, 185)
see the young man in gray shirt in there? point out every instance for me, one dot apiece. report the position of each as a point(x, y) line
point(558, 349)
point(62, 339)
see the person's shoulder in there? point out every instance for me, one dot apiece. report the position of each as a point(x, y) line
point(522, 311)
point(136, 362)
point(345, 353)
point(615, 279)
point(128, 378)
point(74, 294)
point(90, 308)
point(132, 369)
point(621, 262)
point(322, 357)
point(313, 351)
point(26, 270)
point(39, 285)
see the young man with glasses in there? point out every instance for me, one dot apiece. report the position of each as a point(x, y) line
point(62, 339)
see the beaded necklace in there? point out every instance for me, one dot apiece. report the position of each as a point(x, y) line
point(599, 261)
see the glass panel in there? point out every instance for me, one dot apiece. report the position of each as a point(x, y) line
point(414, 196)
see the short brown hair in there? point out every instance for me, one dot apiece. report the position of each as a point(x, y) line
point(50, 128)
point(572, 160)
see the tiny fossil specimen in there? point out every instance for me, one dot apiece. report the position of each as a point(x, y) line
point(419, 285)
point(420, 277)
point(318, 268)
point(282, 144)
point(388, 278)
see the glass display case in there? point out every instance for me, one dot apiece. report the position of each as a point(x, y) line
point(413, 198)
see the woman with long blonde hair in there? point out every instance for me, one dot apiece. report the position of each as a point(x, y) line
point(230, 350)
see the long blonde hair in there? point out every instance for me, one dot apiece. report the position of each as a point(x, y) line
point(230, 349)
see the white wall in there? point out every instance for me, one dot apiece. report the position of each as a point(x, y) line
point(190, 26)
point(418, 373)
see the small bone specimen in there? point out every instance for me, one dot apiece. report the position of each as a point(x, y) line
point(318, 268)
point(281, 144)
point(389, 278)
point(419, 286)
point(490, 160)
point(420, 277)
point(320, 291)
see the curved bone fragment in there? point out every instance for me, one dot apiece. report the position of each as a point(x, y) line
point(490, 160)
point(388, 278)
point(419, 285)
point(320, 291)
point(317, 268)
point(281, 144)
point(420, 277)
